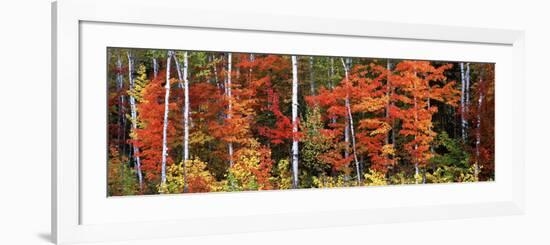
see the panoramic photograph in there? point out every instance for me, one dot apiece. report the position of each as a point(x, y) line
point(207, 121)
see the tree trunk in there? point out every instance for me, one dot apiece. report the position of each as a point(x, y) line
point(229, 106)
point(478, 130)
point(311, 76)
point(155, 68)
point(350, 126)
point(121, 110)
point(251, 58)
point(186, 108)
point(184, 84)
point(330, 84)
point(294, 122)
point(133, 111)
point(121, 114)
point(416, 163)
point(216, 73)
point(165, 124)
point(462, 100)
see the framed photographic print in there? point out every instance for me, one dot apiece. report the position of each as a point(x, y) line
point(172, 125)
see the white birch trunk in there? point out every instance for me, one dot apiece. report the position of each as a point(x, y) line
point(165, 124)
point(330, 84)
point(216, 73)
point(478, 133)
point(186, 108)
point(311, 76)
point(251, 58)
point(294, 122)
point(350, 126)
point(184, 84)
point(229, 106)
point(416, 170)
point(121, 111)
point(155, 68)
point(121, 114)
point(133, 112)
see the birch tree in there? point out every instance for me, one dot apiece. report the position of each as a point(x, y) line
point(184, 84)
point(121, 109)
point(133, 112)
point(229, 103)
point(478, 129)
point(186, 108)
point(155, 68)
point(165, 123)
point(462, 102)
point(311, 76)
point(350, 124)
point(294, 122)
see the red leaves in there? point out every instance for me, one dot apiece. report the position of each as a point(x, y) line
point(149, 134)
point(418, 82)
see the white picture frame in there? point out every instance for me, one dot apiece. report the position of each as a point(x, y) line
point(69, 198)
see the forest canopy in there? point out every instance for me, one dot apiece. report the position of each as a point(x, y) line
point(195, 121)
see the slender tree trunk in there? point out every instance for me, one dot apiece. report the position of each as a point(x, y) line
point(155, 68)
point(133, 111)
point(229, 106)
point(478, 130)
point(294, 122)
point(424, 169)
point(462, 100)
point(330, 84)
point(186, 108)
point(311, 76)
point(165, 124)
point(251, 59)
point(121, 111)
point(184, 84)
point(215, 67)
point(416, 163)
point(121, 114)
point(351, 127)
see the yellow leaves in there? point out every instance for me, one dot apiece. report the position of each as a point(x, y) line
point(247, 160)
point(333, 182)
point(251, 169)
point(383, 128)
point(285, 177)
point(370, 104)
point(375, 178)
point(195, 176)
point(388, 150)
point(140, 82)
point(378, 126)
point(199, 138)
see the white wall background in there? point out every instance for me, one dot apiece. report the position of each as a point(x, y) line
point(25, 122)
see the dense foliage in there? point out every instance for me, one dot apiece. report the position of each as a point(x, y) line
point(187, 122)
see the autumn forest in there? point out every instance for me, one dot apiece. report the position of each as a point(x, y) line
point(195, 121)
